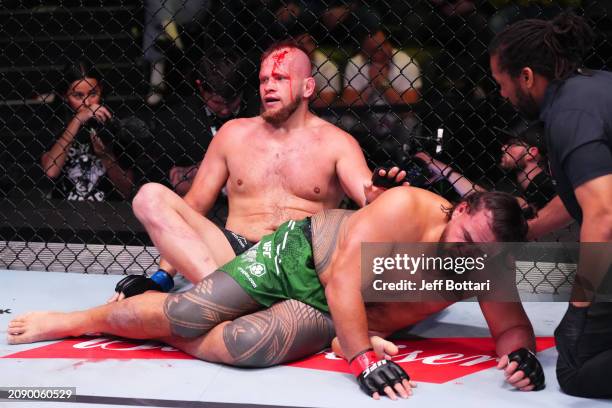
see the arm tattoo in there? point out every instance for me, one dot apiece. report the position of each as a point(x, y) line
point(326, 227)
point(287, 331)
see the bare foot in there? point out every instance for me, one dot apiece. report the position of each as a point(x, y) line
point(37, 326)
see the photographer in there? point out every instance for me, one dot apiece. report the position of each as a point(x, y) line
point(83, 160)
point(523, 154)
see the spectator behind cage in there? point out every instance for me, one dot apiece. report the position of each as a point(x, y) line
point(382, 75)
point(84, 164)
point(523, 153)
point(165, 20)
point(184, 130)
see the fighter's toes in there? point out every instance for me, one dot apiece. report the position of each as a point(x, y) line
point(35, 326)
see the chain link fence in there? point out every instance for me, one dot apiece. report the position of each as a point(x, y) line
point(408, 79)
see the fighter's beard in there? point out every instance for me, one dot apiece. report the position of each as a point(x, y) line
point(278, 116)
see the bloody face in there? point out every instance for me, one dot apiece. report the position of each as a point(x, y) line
point(279, 87)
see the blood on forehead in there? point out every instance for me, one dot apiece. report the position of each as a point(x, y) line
point(279, 58)
point(280, 66)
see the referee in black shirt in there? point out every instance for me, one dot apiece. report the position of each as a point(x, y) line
point(538, 66)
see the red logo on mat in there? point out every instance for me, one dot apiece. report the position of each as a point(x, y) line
point(430, 360)
point(426, 360)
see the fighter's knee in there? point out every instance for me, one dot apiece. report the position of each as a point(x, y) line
point(123, 318)
point(147, 200)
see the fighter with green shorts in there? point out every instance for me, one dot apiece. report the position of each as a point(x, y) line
point(279, 267)
point(283, 265)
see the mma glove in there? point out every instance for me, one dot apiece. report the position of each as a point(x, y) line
point(384, 181)
point(528, 363)
point(132, 285)
point(374, 374)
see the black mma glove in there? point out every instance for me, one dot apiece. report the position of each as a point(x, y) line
point(528, 363)
point(133, 285)
point(568, 333)
point(374, 374)
point(384, 181)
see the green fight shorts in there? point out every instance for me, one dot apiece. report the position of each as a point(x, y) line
point(279, 267)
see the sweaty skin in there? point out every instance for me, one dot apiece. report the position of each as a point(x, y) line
point(269, 169)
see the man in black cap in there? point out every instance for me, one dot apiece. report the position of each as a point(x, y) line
point(522, 153)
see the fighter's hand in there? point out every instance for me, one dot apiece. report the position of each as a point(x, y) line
point(383, 179)
point(522, 370)
point(383, 348)
point(182, 174)
point(378, 376)
point(117, 296)
point(133, 285)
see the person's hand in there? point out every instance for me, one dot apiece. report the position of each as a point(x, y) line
point(182, 174)
point(383, 348)
point(424, 156)
point(99, 112)
point(380, 376)
point(522, 370)
point(383, 179)
point(379, 74)
point(132, 285)
point(117, 296)
point(100, 149)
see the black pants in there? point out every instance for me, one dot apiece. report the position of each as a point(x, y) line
point(584, 342)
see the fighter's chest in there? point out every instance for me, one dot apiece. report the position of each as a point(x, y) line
point(299, 169)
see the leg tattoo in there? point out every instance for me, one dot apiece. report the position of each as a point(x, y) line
point(216, 299)
point(287, 331)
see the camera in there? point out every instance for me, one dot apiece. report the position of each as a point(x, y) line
point(417, 173)
point(122, 131)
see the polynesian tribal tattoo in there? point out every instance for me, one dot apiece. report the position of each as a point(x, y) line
point(287, 331)
point(326, 227)
point(216, 299)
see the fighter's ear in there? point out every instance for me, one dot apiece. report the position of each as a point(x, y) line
point(533, 151)
point(459, 209)
point(309, 87)
point(527, 77)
